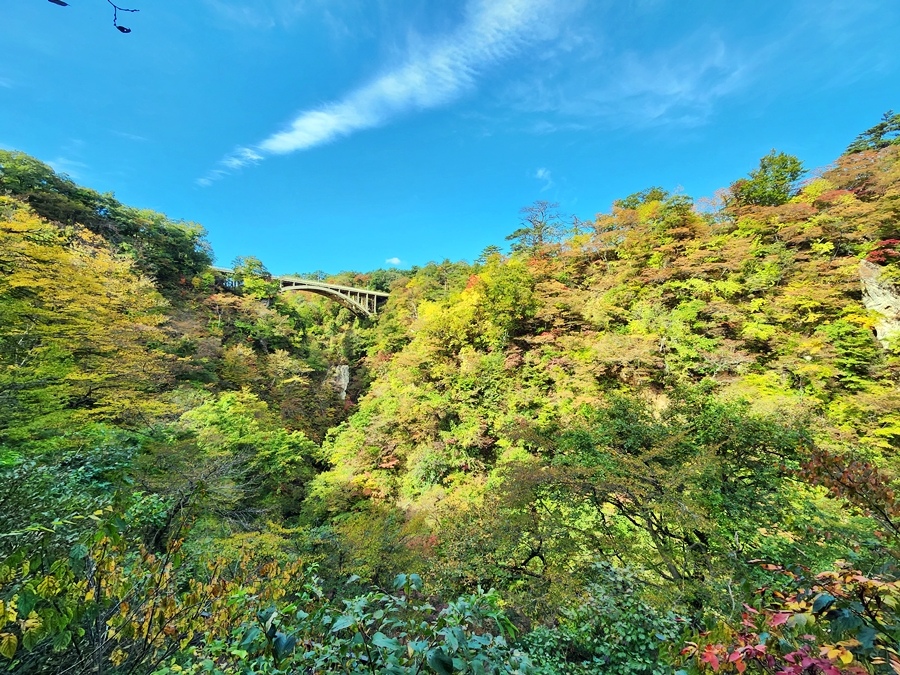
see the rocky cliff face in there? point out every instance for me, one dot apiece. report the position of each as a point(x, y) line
point(883, 298)
point(340, 378)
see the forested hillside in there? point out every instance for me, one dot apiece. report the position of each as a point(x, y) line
point(662, 439)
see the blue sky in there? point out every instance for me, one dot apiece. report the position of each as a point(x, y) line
point(356, 134)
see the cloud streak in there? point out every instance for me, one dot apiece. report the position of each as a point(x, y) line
point(490, 33)
point(543, 174)
point(260, 14)
point(678, 85)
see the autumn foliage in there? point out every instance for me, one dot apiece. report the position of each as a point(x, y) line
point(661, 439)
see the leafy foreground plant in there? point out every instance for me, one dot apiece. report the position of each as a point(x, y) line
point(613, 631)
point(374, 633)
point(836, 622)
point(113, 606)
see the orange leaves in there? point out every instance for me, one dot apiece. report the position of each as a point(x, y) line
point(737, 658)
point(858, 481)
point(894, 663)
point(710, 656)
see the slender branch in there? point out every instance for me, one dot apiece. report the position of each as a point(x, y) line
point(116, 10)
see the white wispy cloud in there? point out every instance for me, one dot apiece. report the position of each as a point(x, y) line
point(260, 14)
point(128, 136)
point(430, 77)
point(69, 167)
point(393, 261)
point(677, 84)
point(544, 175)
point(6, 83)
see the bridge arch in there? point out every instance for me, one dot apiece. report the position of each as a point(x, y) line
point(352, 305)
point(360, 301)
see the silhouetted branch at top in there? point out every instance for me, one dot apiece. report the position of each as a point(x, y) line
point(116, 10)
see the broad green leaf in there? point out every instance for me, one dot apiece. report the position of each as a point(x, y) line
point(62, 640)
point(342, 622)
point(283, 645)
point(439, 662)
point(382, 640)
point(822, 602)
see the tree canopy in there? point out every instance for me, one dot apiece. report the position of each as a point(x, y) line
point(772, 184)
point(883, 134)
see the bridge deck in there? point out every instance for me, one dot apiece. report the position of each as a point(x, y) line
point(324, 284)
point(361, 300)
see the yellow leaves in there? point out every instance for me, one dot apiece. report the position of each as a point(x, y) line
point(32, 623)
point(72, 295)
point(8, 644)
point(49, 587)
point(7, 574)
point(813, 190)
point(839, 652)
point(823, 248)
point(8, 612)
point(118, 657)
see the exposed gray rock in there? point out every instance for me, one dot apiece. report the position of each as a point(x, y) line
point(882, 297)
point(340, 377)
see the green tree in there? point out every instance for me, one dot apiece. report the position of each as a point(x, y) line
point(611, 631)
point(542, 224)
point(488, 253)
point(675, 489)
point(171, 253)
point(651, 194)
point(773, 183)
point(254, 278)
point(883, 134)
point(265, 463)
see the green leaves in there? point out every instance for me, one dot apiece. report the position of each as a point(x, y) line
point(881, 135)
point(613, 626)
point(283, 645)
point(822, 602)
point(773, 183)
point(342, 622)
point(407, 583)
point(382, 640)
point(387, 634)
point(439, 662)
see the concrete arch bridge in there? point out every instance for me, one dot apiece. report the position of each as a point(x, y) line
point(360, 301)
